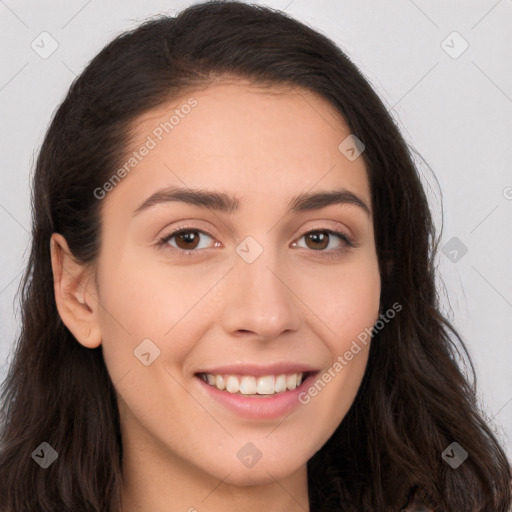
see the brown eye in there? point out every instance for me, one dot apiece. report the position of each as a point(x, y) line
point(187, 239)
point(319, 240)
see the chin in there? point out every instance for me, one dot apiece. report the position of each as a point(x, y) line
point(265, 471)
point(262, 475)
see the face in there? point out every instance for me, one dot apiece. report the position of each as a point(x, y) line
point(255, 286)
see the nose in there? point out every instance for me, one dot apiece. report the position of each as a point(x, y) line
point(260, 299)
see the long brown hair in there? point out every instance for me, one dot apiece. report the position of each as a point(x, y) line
point(414, 400)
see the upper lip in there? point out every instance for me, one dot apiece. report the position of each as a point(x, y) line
point(259, 370)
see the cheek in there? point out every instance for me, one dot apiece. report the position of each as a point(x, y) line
point(140, 302)
point(347, 303)
point(352, 312)
point(349, 306)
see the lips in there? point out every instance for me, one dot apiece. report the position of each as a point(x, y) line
point(256, 370)
point(256, 391)
point(259, 407)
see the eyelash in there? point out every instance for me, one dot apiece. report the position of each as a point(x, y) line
point(334, 253)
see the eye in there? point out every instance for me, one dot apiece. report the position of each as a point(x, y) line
point(188, 241)
point(319, 240)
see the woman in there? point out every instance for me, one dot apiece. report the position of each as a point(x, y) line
point(298, 360)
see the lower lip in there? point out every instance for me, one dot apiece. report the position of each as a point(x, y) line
point(271, 407)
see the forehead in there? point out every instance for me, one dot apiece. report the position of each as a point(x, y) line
point(258, 142)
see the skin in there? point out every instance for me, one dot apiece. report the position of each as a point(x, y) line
point(292, 303)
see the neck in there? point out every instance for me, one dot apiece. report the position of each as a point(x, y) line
point(158, 480)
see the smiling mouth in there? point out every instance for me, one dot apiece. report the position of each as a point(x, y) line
point(251, 386)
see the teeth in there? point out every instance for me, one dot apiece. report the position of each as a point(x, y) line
point(232, 384)
point(280, 384)
point(219, 381)
point(249, 385)
point(265, 385)
point(291, 381)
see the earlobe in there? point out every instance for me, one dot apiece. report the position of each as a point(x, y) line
point(74, 294)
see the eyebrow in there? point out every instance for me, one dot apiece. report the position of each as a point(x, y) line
point(227, 203)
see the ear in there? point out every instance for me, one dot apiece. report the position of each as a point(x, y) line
point(75, 294)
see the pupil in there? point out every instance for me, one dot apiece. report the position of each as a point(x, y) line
point(188, 237)
point(318, 238)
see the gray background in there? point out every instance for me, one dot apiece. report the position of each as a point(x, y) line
point(456, 110)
